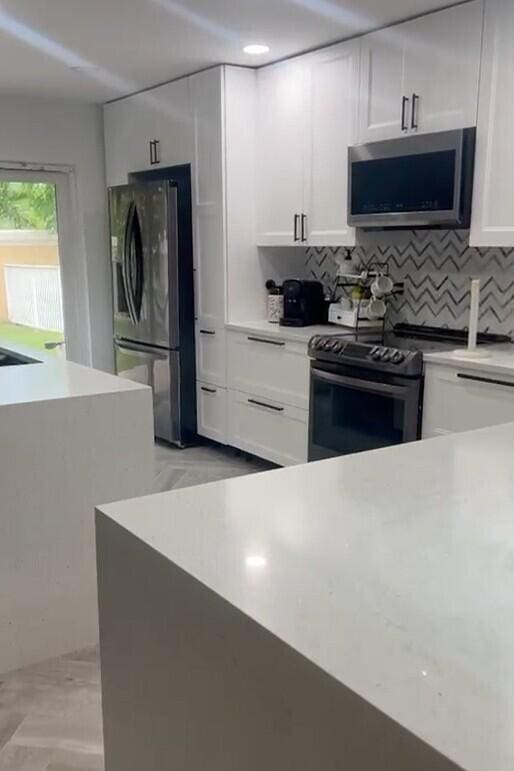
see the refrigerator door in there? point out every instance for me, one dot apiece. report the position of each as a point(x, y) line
point(144, 253)
point(160, 369)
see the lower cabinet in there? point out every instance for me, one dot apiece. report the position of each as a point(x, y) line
point(212, 411)
point(211, 356)
point(464, 399)
point(269, 429)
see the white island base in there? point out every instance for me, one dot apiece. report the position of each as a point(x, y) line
point(70, 438)
point(355, 614)
point(190, 682)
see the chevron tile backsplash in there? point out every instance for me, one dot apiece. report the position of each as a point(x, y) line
point(436, 267)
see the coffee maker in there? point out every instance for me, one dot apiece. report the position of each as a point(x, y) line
point(304, 303)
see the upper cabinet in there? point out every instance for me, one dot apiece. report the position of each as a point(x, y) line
point(306, 122)
point(493, 202)
point(281, 150)
point(421, 76)
point(148, 130)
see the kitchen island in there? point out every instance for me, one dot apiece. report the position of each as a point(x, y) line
point(354, 613)
point(70, 438)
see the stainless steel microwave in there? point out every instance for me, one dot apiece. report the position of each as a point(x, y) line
point(416, 181)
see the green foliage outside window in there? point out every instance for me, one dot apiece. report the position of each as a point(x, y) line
point(27, 206)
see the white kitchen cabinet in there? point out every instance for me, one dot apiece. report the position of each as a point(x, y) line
point(272, 368)
point(306, 122)
point(129, 127)
point(161, 115)
point(281, 149)
point(493, 202)
point(208, 198)
point(212, 412)
point(332, 128)
point(381, 89)
point(463, 399)
point(422, 76)
point(211, 354)
point(269, 429)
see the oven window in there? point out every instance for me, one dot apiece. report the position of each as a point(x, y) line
point(410, 183)
point(347, 420)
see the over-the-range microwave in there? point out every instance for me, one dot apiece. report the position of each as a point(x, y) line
point(416, 181)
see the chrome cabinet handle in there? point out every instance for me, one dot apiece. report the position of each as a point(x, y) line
point(296, 223)
point(304, 228)
point(267, 406)
point(414, 113)
point(405, 104)
point(267, 342)
point(490, 381)
point(207, 332)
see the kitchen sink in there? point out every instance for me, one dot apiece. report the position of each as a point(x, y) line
point(8, 359)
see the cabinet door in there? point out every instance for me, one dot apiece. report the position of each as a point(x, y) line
point(493, 207)
point(333, 88)
point(442, 66)
point(128, 128)
point(463, 400)
point(268, 429)
point(382, 85)
point(282, 98)
point(212, 411)
point(173, 121)
point(208, 199)
point(211, 354)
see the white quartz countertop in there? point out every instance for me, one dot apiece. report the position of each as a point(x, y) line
point(295, 334)
point(393, 571)
point(56, 379)
point(499, 359)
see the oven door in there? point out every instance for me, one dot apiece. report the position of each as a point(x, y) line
point(352, 410)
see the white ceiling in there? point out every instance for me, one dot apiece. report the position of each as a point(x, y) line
point(121, 46)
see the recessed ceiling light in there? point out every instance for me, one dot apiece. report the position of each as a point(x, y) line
point(256, 49)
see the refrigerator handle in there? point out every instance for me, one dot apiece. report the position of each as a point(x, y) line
point(132, 265)
point(125, 265)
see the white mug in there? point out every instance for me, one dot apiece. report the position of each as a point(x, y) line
point(376, 309)
point(382, 286)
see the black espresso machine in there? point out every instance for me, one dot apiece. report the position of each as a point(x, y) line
point(304, 303)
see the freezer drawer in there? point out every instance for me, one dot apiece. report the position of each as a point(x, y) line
point(159, 369)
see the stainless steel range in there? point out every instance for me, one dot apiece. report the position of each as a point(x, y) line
point(367, 390)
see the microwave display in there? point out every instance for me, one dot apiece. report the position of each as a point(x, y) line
point(409, 183)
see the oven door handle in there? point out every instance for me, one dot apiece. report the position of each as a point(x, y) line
point(359, 383)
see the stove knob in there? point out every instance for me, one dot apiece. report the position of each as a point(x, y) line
point(314, 341)
point(319, 343)
point(376, 353)
point(398, 357)
point(385, 355)
point(338, 346)
point(327, 345)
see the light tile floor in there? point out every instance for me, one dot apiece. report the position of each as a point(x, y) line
point(50, 714)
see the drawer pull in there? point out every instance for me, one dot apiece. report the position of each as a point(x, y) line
point(209, 390)
point(489, 380)
point(267, 406)
point(267, 342)
point(207, 332)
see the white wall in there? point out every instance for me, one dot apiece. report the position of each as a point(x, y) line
point(39, 131)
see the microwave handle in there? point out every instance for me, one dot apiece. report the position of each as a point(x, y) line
point(358, 383)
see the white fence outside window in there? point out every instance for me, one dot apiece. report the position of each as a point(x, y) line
point(34, 296)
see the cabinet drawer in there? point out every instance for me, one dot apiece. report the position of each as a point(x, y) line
point(211, 356)
point(212, 411)
point(269, 429)
point(270, 367)
point(463, 400)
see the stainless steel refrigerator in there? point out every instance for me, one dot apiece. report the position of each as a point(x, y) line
point(154, 301)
